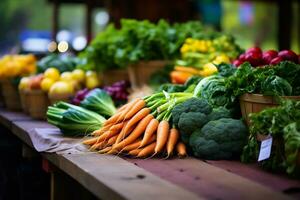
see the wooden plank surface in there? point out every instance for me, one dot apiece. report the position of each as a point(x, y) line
point(207, 180)
point(7, 117)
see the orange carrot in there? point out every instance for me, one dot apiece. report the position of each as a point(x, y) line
point(127, 109)
point(112, 151)
point(181, 149)
point(147, 151)
point(122, 108)
point(162, 136)
point(136, 133)
point(102, 130)
point(91, 141)
point(113, 119)
point(121, 135)
point(107, 135)
point(135, 119)
point(136, 144)
point(112, 140)
point(134, 152)
point(105, 150)
point(172, 140)
point(98, 145)
point(135, 108)
point(117, 127)
point(150, 130)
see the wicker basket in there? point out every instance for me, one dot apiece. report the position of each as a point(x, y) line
point(10, 95)
point(109, 77)
point(140, 73)
point(253, 103)
point(38, 104)
point(24, 100)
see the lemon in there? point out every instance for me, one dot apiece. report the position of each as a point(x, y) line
point(221, 59)
point(92, 82)
point(24, 83)
point(78, 75)
point(90, 74)
point(61, 89)
point(208, 69)
point(66, 76)
point(46, 84)
point(52, 73)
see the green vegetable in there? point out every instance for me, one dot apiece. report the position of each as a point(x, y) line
point(190, 121)
point(219, 139)
point(73, 120)
point(63, 64)
point(292, 146)
point(190, 105)
point(219, 113)
point(100, 102)
point(226, 70)
point(276, 86)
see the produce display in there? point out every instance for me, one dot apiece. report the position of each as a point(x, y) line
point(199, 56)
point(12, 66)
point(63, 64)
point(138, 41)
point(282, 123)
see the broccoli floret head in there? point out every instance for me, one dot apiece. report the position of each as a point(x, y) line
point(219, 139)
point(191, 121)
point(219, 113)
point(191, 105)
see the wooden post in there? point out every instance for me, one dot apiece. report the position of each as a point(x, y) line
point(88, 20)
point(55, 18)
point(285, 19)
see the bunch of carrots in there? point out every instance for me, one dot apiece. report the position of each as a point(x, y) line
point(141, 128)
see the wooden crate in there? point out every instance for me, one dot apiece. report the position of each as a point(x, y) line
point(10, 95)
point(253, 103)
point(38, 104)
point(109, 77)
point(140, 73)
point(24, 100)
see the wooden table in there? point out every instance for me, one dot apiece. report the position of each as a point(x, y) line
point(112, 177)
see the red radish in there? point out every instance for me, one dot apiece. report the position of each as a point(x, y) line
point(237, 63)
point(254, 58)
point(276, 60)
point(269, 55)
point(242, 57)
point(288, 55)
point(254, 49)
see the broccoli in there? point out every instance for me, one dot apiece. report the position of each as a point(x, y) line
point(219, 113)
point(189, 122)
point(191, 105)
point(168, 87)
point(219, 139)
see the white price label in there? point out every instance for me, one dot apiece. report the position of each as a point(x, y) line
point(265, 149)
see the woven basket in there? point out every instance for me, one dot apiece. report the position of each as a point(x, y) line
point(38, 104)
point(10, 95)
point(109, 77)
point(140, 73)
point(253, 103)
point(24, 100)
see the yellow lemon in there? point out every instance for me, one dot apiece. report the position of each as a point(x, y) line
point(92, 82)
point(46, 84)
point(61, 89)
point(66, 76)
point(78, 75)
point(221, 59)
point(208, 69)
point(52, 73)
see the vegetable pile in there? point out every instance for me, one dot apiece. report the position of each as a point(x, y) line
point(141, 128)
point(283, 124)
point(138, 40)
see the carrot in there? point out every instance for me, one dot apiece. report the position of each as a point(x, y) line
point(147, 151)
point(181, 149)
point(98, 145)
point(172, 140)
point(112, 140)
point(112, 151)
point(107, 135)
point(102, 130)
point(121, 135)
point(137, 132)
point(150, 130)
point(127, 109)
point(91, 141)
point(122, 108)
point(136, 144)
point(162, 135)
point(105, 150)
point(135, 119)
point(134, 152)
point(117, 127)
point(135, 108)
point(113, 119)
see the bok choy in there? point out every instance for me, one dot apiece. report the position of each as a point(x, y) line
point(74, 120)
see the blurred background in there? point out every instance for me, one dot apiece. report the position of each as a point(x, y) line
point(43, 26)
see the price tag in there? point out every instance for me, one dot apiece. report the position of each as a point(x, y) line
point(265, 149)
